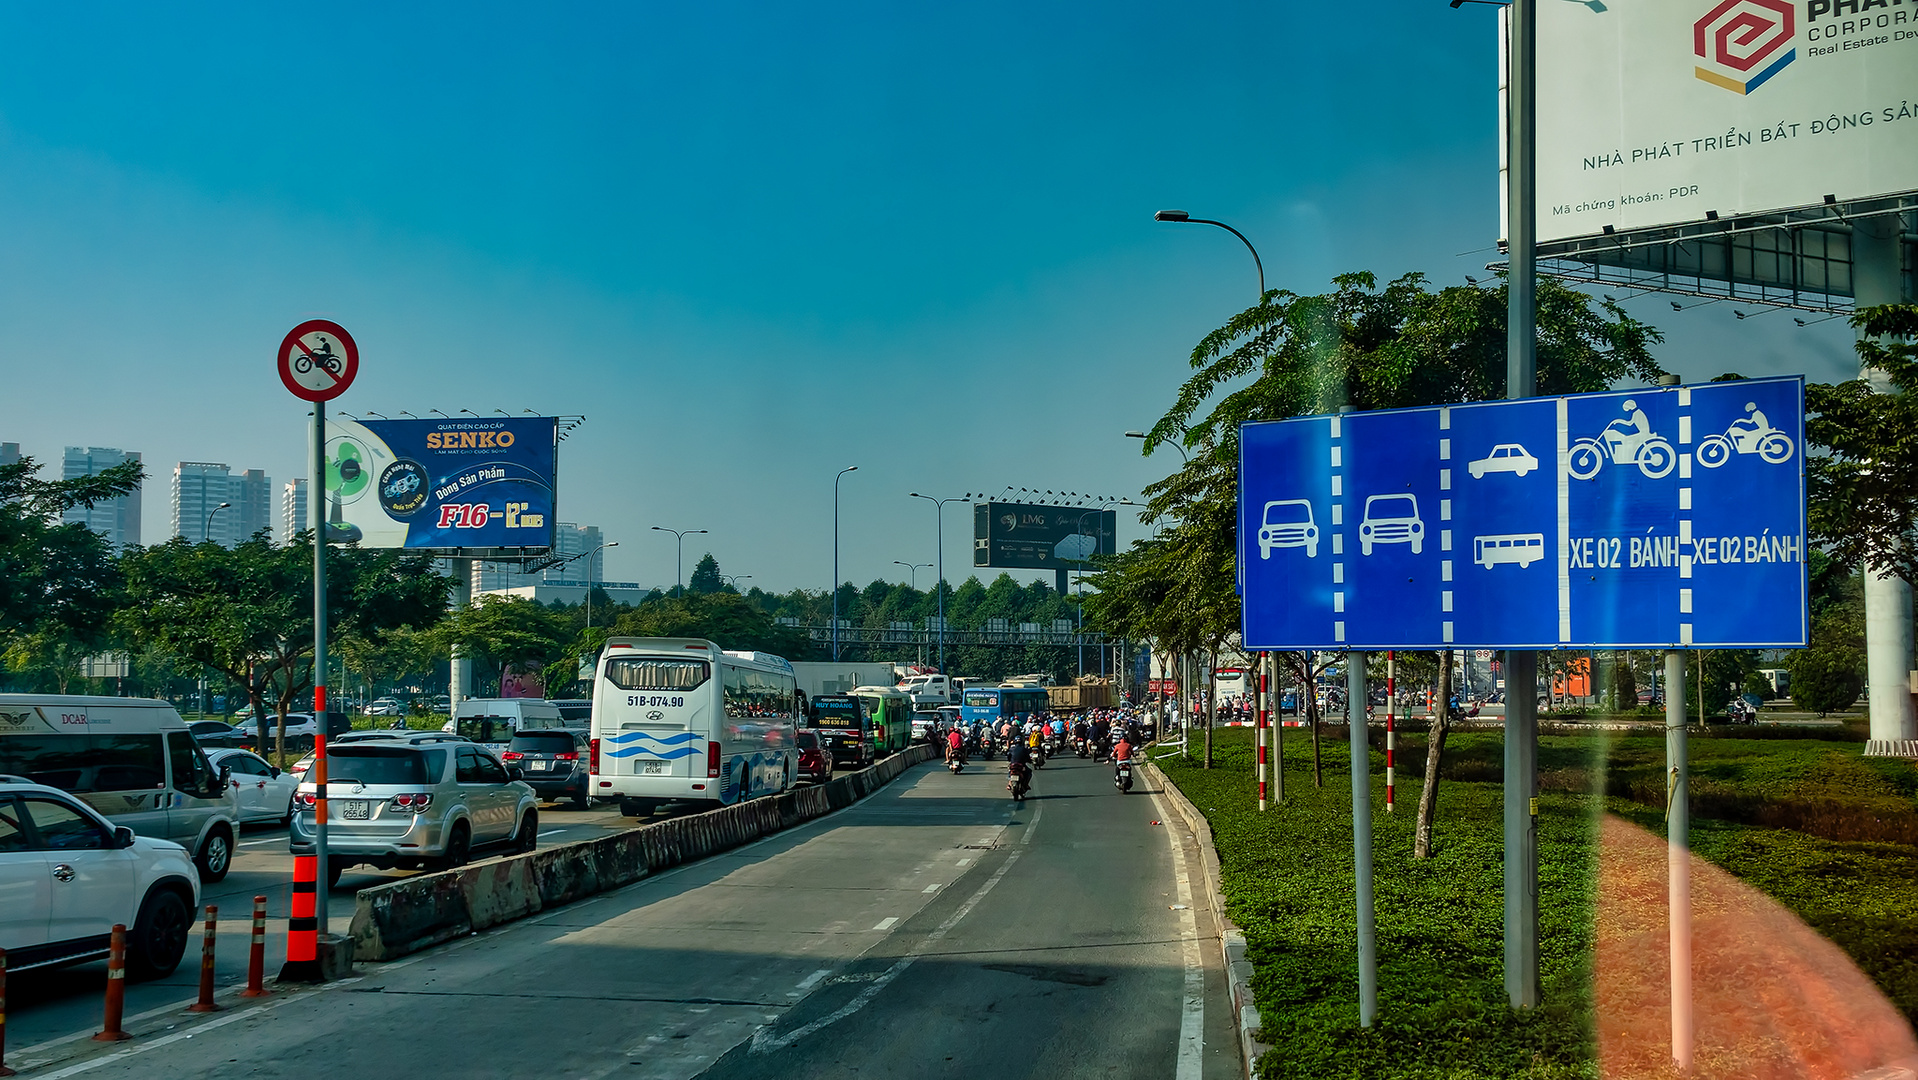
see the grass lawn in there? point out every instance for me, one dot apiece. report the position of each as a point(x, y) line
point(1829, 834)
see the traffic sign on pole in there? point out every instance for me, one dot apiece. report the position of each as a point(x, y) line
point(1656, 518)
point(318, 360)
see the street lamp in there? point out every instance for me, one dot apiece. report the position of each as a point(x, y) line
point(1187, 458)
point(206, 529)
point(1184, 218)
point(835, 558)
point(914, 567)
point(679, 560)
point(589, 579)
point(939, 524)
point(734, 579)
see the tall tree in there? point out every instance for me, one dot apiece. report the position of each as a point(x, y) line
point(705, 579)
point(59, 584)
point(1863, 492)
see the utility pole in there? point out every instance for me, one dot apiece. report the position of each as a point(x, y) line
point(1521, 381)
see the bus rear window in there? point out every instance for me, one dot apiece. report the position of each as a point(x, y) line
point(654, 673)
point(982, 697)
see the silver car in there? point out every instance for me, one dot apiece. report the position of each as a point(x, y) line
point(415, 803)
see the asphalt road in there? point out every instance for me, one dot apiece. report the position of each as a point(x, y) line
point(932, 930)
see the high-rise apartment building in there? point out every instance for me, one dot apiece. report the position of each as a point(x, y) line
point(292, 509)
point(116, 519)
point(199, 487)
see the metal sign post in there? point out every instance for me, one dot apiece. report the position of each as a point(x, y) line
point(312, 369)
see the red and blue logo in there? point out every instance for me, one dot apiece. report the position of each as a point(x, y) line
point(1739, 37)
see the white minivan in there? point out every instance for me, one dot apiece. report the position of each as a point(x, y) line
point(493, 721)
point(131, 759)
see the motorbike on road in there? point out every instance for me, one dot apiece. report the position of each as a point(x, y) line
point(1018, 782)
point(1122, 777)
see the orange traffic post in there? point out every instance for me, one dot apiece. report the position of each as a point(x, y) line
point(4, 1071)
point(303, 925)
point(256, 955)
point(205, 1004)
point(116, 987)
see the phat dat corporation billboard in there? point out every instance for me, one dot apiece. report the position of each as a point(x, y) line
point(1662, 112)
point(483, 484)
point(1026, 536)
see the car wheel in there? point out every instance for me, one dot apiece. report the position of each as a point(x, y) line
point(216, 855)
point(582, 801)
point(527, 838)
point(159, 935)
point(292, 802)
point(458, 846)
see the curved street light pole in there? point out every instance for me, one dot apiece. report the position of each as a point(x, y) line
point(589, 579)
point(1183, 456)
point(1183, 218)
point(206, 529)
point(914, 567)
point(835, 558)
point(679, 560)
point(939, 524)
point(734, 579)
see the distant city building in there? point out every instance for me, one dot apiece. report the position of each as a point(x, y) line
point(9, 453)
point(292, 509)
point(569, 540)
point(199, 487)
point(116, 519)
point(620, 592)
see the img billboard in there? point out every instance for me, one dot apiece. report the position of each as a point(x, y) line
point(1028, 536)
point(1660, 112)
point(471, 485)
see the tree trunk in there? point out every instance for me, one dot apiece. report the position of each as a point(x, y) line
point(1434, 750)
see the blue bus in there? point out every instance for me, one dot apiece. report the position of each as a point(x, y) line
point(991, 705)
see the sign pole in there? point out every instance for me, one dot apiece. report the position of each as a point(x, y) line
point(316, 493)
point(1521, 380)
point(1678, 857)
point(1355, 702)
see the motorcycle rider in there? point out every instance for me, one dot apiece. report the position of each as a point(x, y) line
point(1019, 765)
point(955, 746)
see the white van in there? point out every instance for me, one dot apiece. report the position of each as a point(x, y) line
point(493, 721)
point(131, 759)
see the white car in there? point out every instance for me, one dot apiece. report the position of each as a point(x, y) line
point(263, 792)
point(386, 706)
point(67, 876)
point(1505, 457)
point(1288, 523)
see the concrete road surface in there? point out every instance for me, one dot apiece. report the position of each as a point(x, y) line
point(933, 930)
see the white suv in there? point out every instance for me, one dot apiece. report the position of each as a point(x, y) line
point(67, 876)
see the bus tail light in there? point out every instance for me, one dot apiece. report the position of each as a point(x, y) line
point(712, 761)
point(594, 767)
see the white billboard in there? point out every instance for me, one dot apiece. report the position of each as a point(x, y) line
point(1661, 112)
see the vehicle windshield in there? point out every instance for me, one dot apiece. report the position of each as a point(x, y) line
point(1391, 506)
point(808, 740)
point(543, 742)
point(830, 712)
point(656, 673)
point(372, 765)
point(1288, 514)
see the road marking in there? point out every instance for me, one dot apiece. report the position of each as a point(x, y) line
point(965, 862)
point(551, 832)
point(887, 922)
point(1026, 838)
point(812, 980)
point(268, 840)
point(1192, 1017)
point(765, 1042)
point(931, 888)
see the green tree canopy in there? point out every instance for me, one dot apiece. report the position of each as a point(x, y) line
point(706, 577)
point(1864, 489)
point(59, 584)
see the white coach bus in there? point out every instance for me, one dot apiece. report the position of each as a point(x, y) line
point(682, 720)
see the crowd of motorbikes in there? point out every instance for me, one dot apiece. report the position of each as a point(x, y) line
point(1043, 736)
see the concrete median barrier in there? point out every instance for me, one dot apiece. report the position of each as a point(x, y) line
point(402, 917)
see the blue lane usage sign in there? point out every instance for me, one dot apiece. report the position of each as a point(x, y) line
point(1659, 518)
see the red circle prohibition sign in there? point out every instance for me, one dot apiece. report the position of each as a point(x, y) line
point(318, 360)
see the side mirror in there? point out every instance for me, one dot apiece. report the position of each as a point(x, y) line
point(122, 837)
point(514, 772)
point(273, 771)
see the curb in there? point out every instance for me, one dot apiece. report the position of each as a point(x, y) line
point(406, 916)
point(1238, 970)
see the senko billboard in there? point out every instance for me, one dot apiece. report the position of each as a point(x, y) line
point(468, 485)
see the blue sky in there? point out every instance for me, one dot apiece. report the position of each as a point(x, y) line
point(751, 243)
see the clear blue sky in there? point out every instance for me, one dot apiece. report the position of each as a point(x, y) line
point(751, 243)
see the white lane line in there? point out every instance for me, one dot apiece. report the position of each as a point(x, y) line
point(812, 980)
point(887, 922)
point(965, 862)
point(552, 832)
point(1192, 1017)
point(931, 888)
point(1026, 838)
point(268, 840)
point(765, 1042)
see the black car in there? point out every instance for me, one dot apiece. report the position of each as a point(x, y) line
point(553, 762)
point(218, 734)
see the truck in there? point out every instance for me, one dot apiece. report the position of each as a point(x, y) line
point(840, 677)
point(930, 690)
point(1089, 692)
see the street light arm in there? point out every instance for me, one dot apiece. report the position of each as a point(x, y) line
point(1248, 246)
